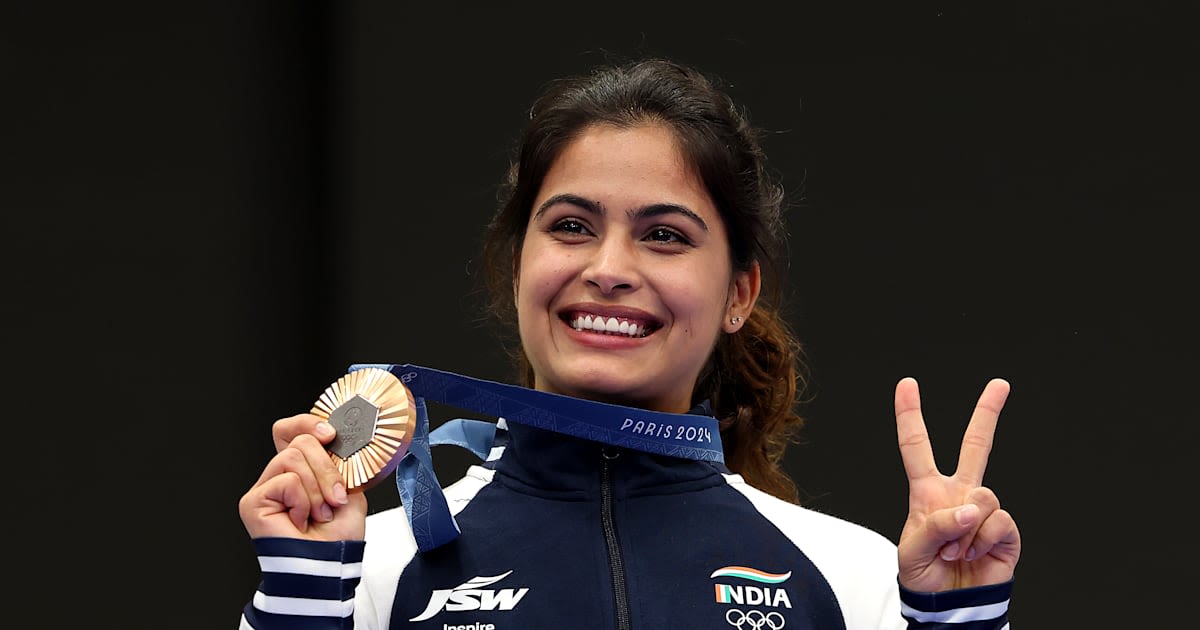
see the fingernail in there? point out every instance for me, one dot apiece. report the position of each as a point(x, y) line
point(970, 554)
point(324, 429)
point(965, 514)
point(339, 493)
point(324, 513)
point(950, 552)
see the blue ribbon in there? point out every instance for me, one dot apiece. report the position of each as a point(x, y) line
point(420, 493)
point(688, 436)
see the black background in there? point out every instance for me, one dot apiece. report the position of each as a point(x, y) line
point(211, 209)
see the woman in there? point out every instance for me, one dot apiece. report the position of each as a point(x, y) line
point(636, 250)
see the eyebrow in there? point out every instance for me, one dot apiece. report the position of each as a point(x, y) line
point(594, 207)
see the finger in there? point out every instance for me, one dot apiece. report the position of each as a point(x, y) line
point(987, 502)
point(997, 535)
point(331, 490)
point(283, 493)
point(977, 441)
point(915, 449)
point(292, 463)
point(285, 430)
point(940, 531)
point(948, 527)
point(307, 459)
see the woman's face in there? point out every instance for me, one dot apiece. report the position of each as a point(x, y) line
point(624, 278)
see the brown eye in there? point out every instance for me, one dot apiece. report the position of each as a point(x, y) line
point(569, 226)
point(666, 235)
point(570, 230)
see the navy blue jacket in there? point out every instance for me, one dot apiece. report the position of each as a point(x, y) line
point(560, 532)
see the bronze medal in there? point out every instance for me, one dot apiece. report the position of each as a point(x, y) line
point(373, 414)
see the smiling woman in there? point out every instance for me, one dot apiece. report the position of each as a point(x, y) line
point(622, 235)
point(636, 248)
point(704, 151)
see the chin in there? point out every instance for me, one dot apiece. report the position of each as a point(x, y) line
point(614, 390)
point(587, 384)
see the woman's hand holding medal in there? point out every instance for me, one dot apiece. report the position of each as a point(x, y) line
point(355, 434)
point(300, 493)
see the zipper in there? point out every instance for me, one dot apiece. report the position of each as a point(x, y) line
point(616, 565)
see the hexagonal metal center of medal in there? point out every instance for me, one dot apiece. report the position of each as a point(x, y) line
point(355, 423)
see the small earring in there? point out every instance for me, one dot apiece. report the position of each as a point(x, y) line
point(735, 320)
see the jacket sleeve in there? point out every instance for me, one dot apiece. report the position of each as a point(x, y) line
point(979, 608)
point(306, 585)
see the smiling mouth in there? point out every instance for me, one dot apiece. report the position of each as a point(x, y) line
point(619, 326)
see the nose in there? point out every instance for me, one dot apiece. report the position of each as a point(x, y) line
point(613, 266)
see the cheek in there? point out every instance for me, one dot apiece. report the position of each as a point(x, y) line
point(537, 281)
point(704, 295)
point(526, 261)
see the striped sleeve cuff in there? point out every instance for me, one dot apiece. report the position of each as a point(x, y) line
point(306, 585)
point(978, 608)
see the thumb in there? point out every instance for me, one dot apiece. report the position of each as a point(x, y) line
point(949, 527)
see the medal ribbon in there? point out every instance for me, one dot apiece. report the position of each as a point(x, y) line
point(687, 436)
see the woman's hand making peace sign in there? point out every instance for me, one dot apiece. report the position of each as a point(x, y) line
point(956, 535)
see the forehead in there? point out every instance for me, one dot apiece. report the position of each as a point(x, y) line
point(642, 164)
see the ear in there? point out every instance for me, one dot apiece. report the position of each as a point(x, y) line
point(743, 293)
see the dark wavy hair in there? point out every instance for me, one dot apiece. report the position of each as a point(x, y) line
point(753, 377)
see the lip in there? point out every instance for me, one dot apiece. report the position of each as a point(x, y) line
point(643, 319)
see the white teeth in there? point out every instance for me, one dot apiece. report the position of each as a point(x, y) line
point(610, 325)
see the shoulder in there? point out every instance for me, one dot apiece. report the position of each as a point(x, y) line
point(817, 533)
point(859, 563)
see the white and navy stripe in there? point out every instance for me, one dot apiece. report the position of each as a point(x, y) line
point(304, 585)
point(980, 608)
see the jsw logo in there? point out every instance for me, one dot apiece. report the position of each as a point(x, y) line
point(470, 596)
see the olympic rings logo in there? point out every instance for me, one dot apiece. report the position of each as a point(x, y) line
point(754, 620)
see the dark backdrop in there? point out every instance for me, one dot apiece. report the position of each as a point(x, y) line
point(210, 210)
